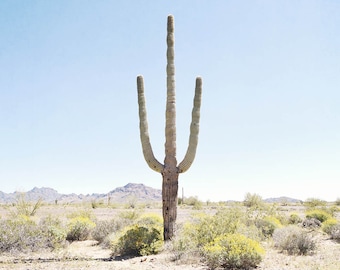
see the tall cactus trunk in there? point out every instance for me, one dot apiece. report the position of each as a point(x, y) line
point(169, 198)
point(170, 171)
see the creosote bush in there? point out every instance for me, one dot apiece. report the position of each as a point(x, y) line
point(55, 232)
point(314, 203)
point(294, 240)
point(328, 225)
point(233, 251)
point(318, 214)
point(267, 225)
point(205, 228)
point(138, 240)
point(79, 228)
point(105, 228)
point(294, 218)
point(253, 201)
point(22, 234)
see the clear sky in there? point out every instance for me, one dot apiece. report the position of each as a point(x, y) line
point(270, 118)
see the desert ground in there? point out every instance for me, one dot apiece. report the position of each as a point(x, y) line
point(89, 255)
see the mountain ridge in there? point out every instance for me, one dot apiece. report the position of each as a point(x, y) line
point(136, 192)
point(131, 191)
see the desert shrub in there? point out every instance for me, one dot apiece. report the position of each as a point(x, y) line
point(294, 240)
point(79, 228)
point(328, 225)
point(318, 214)
point(85, 213)
point(150, 219)
point(250, 230)
point(268, 225)
point(20, 235)
point(233, 251)
point(54, 231)
point(190, 200)
point(104, 228)
point(294, 219)
point(335, 232)
point(253, 201)
point(138, 240)
point(314, 203)
point(24, 207)
point(184, 247)
point(130, 216)
point(206, 228)
point(337, 201)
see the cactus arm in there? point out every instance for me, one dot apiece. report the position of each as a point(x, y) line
point(194, 129)
point(170, 121)
point(143, 128)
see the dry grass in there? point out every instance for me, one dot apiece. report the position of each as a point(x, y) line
point(88, 255)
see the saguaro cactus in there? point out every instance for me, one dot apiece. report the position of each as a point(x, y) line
point(169, 170)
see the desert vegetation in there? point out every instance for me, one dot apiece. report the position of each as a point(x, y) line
point(239, 235)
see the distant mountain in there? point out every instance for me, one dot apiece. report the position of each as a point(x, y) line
point(282, 200)
point(131, 191)
point(128, 193)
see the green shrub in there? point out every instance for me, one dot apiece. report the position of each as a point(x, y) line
point(314, 203)
point(268, 225)
point(54, 231)
point(328, 225)
point(79, 228)
point(86, 213)
point(206, 228)
point(233, 251)
point(184, 247)
point(139, 240)
point(253, 201)
point(319, 214)
point(293, 240)
point(294, 219)
point(150, 219)
point(130, 216)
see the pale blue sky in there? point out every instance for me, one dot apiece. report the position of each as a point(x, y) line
point(270, 119)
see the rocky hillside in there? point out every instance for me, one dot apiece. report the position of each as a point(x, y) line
point(131, 191)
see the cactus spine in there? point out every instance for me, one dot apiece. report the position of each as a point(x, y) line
point(169, 170)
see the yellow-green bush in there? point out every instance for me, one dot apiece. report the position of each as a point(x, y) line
point(206, 227)
point(54, 231)
point(312, 203)
point(150, 219)
point(319, 214)
point(138, 240)
point(328, 225)
point(268, 225)
point(79, 228)
point(253, 201)
point(294, 218)
point(233, 251)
